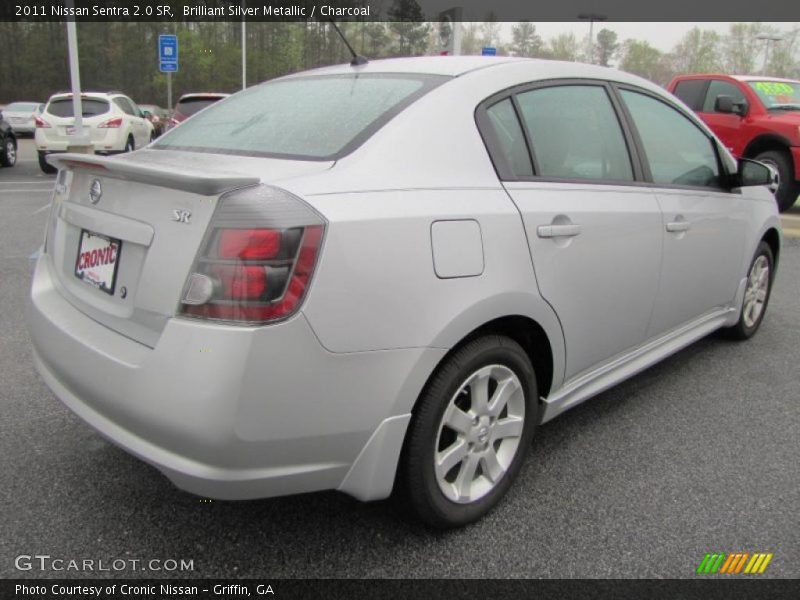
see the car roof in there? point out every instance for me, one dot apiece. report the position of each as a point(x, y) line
point(526, 69)
point(203, 95)
point(452, 66)
point(763, 78)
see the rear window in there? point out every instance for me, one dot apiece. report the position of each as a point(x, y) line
point(311, 118)
point(91, 107)
point(692, 92)
point(190, 106)
point(22, 106)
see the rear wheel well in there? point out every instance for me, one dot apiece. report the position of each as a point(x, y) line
point(528, 334)
point(772, 239)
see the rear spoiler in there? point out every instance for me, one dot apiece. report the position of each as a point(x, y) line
point(198, 182)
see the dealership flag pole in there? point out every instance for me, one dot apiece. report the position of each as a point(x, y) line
point(79, 141)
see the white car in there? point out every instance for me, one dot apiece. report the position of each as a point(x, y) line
point(114, 122)
point(390, 274)
point(22, 116)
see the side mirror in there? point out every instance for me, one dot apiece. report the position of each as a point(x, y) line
point(725, 104)
point(752, 173)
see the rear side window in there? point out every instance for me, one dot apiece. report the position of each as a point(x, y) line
point(509, 138)
point(722, 88)
point(678, 152)
point(692, 92)
point(575, 133)
point(316, 118)
point(189, 106)
point(90, 107)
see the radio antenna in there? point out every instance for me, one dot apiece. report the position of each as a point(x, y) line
point(357, 59)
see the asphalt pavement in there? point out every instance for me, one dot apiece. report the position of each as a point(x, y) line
point(698, 454)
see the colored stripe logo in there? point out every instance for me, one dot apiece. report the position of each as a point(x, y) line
point(724, 563)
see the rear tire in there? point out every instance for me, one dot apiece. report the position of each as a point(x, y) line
point(8, 154)
point(756, 296)
point(45, 166)
point(129, 145)
point(470, 433)
point(789, 189)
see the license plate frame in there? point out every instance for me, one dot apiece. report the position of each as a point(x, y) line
point(92, 274)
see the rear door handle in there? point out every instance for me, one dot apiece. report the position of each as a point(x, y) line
point(678, 226)
point(551, 231)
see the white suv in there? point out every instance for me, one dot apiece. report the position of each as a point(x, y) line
point(114, 123)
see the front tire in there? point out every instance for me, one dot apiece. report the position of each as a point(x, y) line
point(470, 432)
point(789, 189)
point(45, 166)
point(756, 295)
point(8, 154)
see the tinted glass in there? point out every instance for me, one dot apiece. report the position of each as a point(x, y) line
point(124, 105)
point(21, 107)
point(692, 92)
point(308, 117)
point(778, 94)
point(510, 139)
point(575, 133)
point(722, 88)
point(678, 152)
point(89, 107)
point(190, 106)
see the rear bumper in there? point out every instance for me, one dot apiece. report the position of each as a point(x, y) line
point(229, 412)
point(796, 158)
point(109, 143)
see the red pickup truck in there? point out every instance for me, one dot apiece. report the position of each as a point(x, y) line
point(755, 117)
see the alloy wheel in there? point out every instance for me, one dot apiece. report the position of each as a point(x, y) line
point(755, 295)
point(479, 433)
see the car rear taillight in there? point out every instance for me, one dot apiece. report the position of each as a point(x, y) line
point(41, 123)
point(256, 262)
point(111, 124)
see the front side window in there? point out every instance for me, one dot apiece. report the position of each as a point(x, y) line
point(678, 152)
point(722, 88)
point(575, 133)
point(316, 117)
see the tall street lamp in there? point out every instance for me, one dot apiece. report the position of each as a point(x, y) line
point(767, 40)
point(591, 17)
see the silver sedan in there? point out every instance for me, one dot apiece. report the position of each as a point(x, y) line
point(385, 277)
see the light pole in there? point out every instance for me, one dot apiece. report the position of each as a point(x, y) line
point(767, 40)
point(244, 46)
point(591, 17)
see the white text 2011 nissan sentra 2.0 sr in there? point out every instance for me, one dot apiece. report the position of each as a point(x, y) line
point(387, 275)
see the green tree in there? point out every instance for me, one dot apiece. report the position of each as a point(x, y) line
point(606, 46)
point(525, 41)
point(697, 52)
point(640, 58)
point(741, 47)
point(409, 28)
point(564, 46)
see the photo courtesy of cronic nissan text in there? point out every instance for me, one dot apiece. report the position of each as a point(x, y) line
point(399, 299)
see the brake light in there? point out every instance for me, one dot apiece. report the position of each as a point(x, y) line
point(41, 123)
point(111, 124)
point(249, 243)
point(257, 260)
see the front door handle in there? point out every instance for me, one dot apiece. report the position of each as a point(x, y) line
point(551, 231)
point(678, 226)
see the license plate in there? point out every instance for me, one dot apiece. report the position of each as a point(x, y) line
point(71, 130)
point(98, 257)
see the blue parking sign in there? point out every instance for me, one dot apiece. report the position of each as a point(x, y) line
point(488, 51)
point(167, 53)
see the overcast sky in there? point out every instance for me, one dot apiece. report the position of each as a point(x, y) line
point(661, 35)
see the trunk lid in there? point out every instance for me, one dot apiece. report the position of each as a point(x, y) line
point(154, 207)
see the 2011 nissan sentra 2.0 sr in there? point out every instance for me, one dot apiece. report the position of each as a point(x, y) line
point(385, 277)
